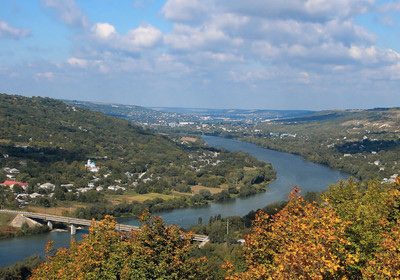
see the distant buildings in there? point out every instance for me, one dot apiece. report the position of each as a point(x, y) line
point(91, 166)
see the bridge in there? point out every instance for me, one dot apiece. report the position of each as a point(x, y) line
point(82, 222)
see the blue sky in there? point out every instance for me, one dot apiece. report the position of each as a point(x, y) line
point(260, 54)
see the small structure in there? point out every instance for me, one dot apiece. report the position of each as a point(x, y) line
point(47, 186)
point(115, 188)
point(12, 183)
point(85, 189)
point(14, 171)
point(34, 195)
point(91, 166)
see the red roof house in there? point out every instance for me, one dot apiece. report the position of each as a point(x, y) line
point(12, 183)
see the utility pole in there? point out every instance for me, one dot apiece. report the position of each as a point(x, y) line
point(227, 227)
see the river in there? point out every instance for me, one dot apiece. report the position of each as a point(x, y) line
point(291, 171)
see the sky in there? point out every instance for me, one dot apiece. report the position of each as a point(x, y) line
point(248, 54)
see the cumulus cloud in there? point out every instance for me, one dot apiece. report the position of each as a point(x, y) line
point(307, 34)
point(103, 30)
point(7, 31)
point(184, 37)
point(145, 36)
point(141, 38)
point(211, 37)
point(255, 44)
point(68, 12)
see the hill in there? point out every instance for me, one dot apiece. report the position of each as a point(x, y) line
point(170, 116)
point(46, 143)
point(365, 143)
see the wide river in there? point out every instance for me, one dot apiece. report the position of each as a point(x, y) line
point(291, 171)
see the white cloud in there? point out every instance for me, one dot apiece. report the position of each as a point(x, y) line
point(73, 61)
point(103, 30)
point(145, 36)
point(262, 45)
point(68, 12)
point(208, 37)
point(7, 31)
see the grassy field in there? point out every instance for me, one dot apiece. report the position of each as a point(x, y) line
point(6, 218)
point(130, 196)
point(196, 189)
point(59, 210)
point(189, 139)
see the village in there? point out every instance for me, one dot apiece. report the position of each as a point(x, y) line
point(24, 193)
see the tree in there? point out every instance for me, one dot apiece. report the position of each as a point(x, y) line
point(156, 251)
point(372, 210)
point(302, 241)
point(386, 264)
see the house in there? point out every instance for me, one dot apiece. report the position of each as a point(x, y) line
point(34, 195)
point(67, 185)
point(14, 171)
point(10, 176)
point(115, 188)
point(83, 190)
point(12, 183)
point(47, 186)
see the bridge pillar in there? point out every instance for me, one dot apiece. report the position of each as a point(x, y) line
point(73, 229)
point(50, 225)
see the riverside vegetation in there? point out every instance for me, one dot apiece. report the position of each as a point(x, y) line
point(353, 234)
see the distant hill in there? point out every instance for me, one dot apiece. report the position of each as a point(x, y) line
point(166, 115)
point(235, 113)
point(365, 143)
point(337, 116)
point(50, 141)
point(136, 114)
point(54, 137)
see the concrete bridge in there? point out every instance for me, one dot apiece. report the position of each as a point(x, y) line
point(73, 222)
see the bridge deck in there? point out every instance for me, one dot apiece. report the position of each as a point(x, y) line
point(82, 222)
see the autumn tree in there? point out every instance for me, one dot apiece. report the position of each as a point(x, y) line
point(372, 209)
point(302, 241)
point(156, 251)
point(386, 262)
